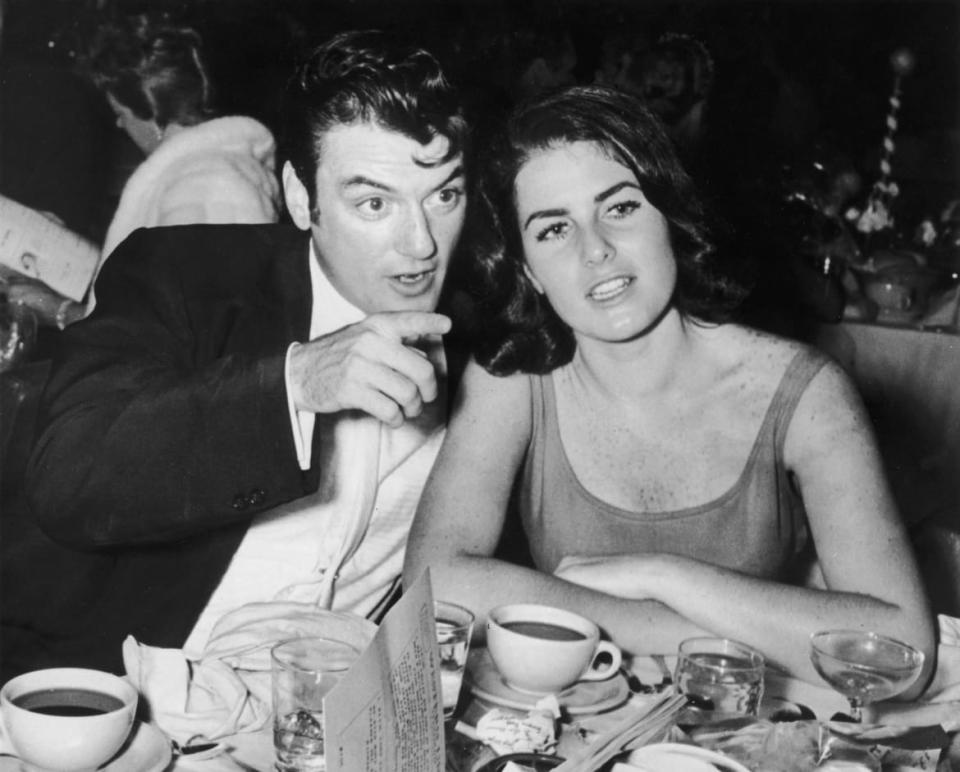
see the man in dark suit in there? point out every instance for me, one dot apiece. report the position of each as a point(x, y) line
point(251, 411)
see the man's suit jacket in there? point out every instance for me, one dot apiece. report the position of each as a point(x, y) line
point(164, 428)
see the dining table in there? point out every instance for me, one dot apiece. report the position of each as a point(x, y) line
point(909, 381)
point(643, 679)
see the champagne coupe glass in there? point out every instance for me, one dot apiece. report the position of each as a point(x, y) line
point(864, 667)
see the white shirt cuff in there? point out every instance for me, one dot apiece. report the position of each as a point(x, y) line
point(301, 421)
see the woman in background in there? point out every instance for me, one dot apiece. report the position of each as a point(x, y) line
point(199, 168)
point(676, 474)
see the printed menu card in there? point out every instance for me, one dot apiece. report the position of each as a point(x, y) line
point(36, 246)
point(387, 712)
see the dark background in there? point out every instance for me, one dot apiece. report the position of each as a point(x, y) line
point(795, 83)
point(837, 50)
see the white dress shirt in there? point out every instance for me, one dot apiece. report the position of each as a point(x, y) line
point(342, 547)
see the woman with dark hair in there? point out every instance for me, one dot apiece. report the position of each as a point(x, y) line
point(676, 474)
point(199, 168)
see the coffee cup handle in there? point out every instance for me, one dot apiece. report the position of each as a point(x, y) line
point(604, 671)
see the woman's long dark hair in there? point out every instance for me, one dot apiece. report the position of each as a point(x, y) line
point(522, 331)
point(153, 66)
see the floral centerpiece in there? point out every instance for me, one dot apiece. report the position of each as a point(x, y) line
point(888, 273)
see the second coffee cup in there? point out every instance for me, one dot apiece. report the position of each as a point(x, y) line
point(541, 649)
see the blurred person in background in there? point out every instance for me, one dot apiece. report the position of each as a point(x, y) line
point(674, 77)
point(199, 168)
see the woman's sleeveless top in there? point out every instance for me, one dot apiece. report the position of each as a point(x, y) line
point(757, 527)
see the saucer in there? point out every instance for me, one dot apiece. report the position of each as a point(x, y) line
point(539, 762)
point(583, 697)
point(146, 750)
point(677, 757)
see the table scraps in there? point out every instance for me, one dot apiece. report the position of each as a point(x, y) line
point(797, 746)
point(508, 732)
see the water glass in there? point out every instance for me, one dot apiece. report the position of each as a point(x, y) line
point(454, 628)
point(18, 333)
point(720, 675)
point(303, 671)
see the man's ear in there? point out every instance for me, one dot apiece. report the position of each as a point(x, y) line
point(297, 198)
point(533, 279)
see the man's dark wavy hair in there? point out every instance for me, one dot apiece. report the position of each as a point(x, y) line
point(366, 76)
point(522, 331)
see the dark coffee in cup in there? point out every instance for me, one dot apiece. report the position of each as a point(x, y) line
point(545, 630)
point(68, 702)
point(543, 650)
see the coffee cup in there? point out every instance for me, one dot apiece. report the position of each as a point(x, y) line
point(543, 650)
point(66, 719)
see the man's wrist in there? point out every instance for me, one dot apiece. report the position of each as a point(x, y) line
point(289, 374)
point(301, 423)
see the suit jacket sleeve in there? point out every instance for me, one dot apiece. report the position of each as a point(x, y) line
point(164, 416)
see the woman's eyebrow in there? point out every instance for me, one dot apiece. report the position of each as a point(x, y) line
point(597, 199)
point(544, 213)
point(601, 197)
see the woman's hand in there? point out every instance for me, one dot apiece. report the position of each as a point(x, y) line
point(623, 576)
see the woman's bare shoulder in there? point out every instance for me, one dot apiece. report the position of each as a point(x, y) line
point(493, 399)
point(764, 344)
point(774, 354)
point(479, 383)
point(753, 356)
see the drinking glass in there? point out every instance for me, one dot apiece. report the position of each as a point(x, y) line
point(864, 667)
point(18, 333)
point(720, 675)
point(304, 670)
point(454, 628)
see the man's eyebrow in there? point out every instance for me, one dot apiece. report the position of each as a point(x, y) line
point(598, 199)
point(457, 172)
point(359, 179)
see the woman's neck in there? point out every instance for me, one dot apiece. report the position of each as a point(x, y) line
point(647, 365)
point(170, 130)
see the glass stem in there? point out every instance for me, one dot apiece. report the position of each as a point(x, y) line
point(855, 713)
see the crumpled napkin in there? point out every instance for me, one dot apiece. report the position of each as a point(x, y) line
point(507, 732)
point(227, 691)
